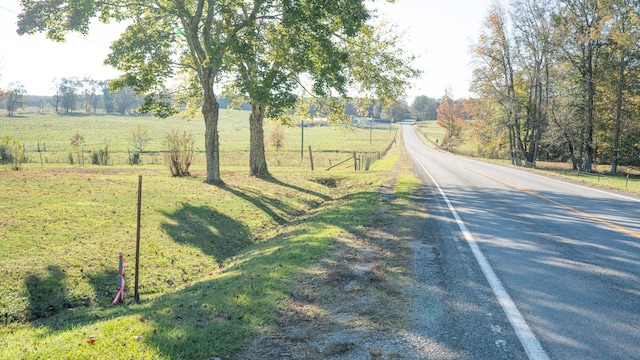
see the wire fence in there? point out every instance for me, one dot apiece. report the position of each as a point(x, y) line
point(44, 154)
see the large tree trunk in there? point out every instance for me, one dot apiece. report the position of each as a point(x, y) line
point(616, 135)
point(210, 111)
point(590, 87)
point(257, 158)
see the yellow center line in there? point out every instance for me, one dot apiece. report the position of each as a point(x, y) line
point(570, 208)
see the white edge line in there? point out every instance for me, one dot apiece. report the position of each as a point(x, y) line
point(529, 342)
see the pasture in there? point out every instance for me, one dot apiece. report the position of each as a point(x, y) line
point(216, 261)
point(51, 134)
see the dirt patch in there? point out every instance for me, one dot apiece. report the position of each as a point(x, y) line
point(364, 299)
point(328, 182)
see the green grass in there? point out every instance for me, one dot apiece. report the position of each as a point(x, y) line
point(430, 132)
point(215, 261)
point(597, 178)
point(53, 133)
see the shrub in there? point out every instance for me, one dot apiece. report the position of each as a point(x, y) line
point(134, 159)
point(179, 152)
point(139, 136)
point(101, 157)
point(277, 137)
point(12, 152)
point(77, 141)
point(5, 157)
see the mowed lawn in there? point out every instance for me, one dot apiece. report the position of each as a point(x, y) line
point(215, 260)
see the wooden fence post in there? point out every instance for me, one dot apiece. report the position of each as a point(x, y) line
point(311, 157)
point(355, 161)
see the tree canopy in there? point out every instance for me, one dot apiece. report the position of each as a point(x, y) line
point(557, 80)
point(265, 49)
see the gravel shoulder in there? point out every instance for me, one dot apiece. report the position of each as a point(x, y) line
point(386, 292)
point(376, 295)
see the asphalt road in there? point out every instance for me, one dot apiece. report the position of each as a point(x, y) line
point(560, 262)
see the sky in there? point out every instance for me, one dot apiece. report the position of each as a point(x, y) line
point(439, 33)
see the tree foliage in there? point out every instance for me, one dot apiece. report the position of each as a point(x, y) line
point(14, 97)
point(557, 80)
point(265, 50)
point(12, 152)
point(317, 51)
point(424, 108)
point(450, 118)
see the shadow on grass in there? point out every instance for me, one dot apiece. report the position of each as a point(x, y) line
point(47, 294)
point(216, 234)
point(267, 205)
point(215, 318)
point(277, 209)
point(273, 180)
point(101, 282)
point(50, 298)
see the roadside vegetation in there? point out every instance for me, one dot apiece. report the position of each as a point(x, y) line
point(627, 180)
point(218, 263)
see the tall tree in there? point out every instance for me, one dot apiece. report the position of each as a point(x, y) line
point(450, 118)
point(622, 55)
point(327, 43)
point(125, 101)
point(288, 39)
point(424, 108)
point(164, 35)
point(90, 88)
point(107, 98)
point(15, 97)
point(581, 21)
point(67, 94)
point(494, 77)
point(396, 111)
point(534, 35)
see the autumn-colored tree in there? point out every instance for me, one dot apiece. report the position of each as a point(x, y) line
point(277, 137)
point(450, 118)
point(494, 76)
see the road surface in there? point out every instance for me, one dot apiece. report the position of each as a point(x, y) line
point(554, 265)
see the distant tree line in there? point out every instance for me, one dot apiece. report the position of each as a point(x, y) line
point(89, 96)
point(75, 95)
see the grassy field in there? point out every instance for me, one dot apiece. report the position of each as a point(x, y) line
point(216, 262)
point(51, 133)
